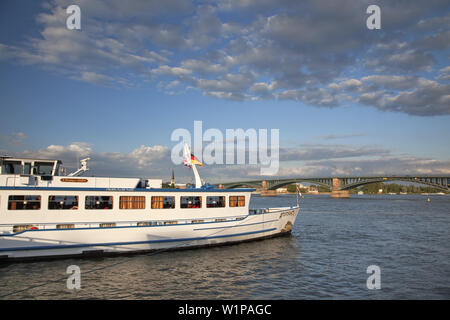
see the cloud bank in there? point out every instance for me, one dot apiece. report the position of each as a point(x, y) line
point(317, 53)
point(306, 161)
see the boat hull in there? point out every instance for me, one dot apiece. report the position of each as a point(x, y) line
point(131, 239)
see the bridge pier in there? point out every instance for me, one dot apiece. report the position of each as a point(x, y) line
point(340, 194)
point(265, 192)
point(336, 193)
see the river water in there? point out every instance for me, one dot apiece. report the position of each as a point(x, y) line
point(332, 244)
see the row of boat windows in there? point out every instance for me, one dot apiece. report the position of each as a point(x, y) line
point(33, 202)
point(24, 227)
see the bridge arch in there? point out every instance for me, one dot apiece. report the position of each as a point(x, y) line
point(284, 183)
point(242, 184)
point(376, 180)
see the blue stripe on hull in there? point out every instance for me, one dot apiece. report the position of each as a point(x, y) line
point(128, 227)
point(124, 189)
point(236, 226)
point(130, 243)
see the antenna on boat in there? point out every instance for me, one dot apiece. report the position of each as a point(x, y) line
point(82, 169)
point(190, 161)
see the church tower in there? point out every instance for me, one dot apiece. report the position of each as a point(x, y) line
point(172, 182)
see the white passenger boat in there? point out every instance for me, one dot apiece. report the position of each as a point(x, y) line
point(45, 214)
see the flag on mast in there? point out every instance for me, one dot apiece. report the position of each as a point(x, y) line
point(194, 160)
point(191, 161)
point(189, 158)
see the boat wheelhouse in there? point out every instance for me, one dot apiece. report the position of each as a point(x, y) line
point(44, 213)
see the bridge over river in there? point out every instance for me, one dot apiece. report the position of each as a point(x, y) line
point(338, 186)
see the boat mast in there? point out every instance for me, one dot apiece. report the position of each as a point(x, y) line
point(198, 181)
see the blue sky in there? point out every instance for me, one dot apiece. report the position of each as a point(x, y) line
point(347, 100)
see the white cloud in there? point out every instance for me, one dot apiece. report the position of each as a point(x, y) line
point(171, 71)
point(427, 98)
point(202, 67)
point(140, 161)
point(444, 74)
point(341, 136)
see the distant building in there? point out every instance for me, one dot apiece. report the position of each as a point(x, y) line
point(313, 189)
point(360, 193)
point(282, 190)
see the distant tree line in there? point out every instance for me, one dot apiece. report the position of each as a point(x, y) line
point(395, 188)
point(168, 185)
point(373, 188)
point(293, 188)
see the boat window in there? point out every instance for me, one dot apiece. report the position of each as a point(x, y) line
point(24, 202)
point(99, 202)
point(107, 225)
point(63, 202)
point(191, 202)
point(237, 201)
point(23, 227)
point(159, 202)
point(44, 168)
point(65, 226)
point(27, 168)
point(215, 202)
point(144, 223)
point(170, 222)
point(132, 202)
point(12, 167)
